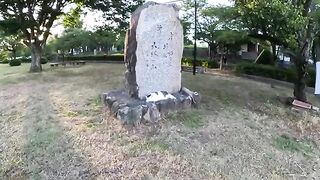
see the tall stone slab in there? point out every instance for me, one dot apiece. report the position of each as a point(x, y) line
point(153, 50)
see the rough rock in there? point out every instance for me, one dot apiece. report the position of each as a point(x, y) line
point(153, 50)
point(130, 110)
point(152, 114)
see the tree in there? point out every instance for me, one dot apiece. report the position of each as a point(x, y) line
point(34, 20)
point(186, 24)
point(218, 29)
point(188, 18)
point(11, 43)
point(86, 41)
point(72, 19)
point(291, 24)
point(116, 12)
point(104, 39)
point(73, 39)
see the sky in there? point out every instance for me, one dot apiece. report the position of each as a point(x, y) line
point(93, 19)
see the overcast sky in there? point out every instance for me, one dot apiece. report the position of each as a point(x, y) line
point(93, 19)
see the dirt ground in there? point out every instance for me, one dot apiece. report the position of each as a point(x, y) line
point(54, 126)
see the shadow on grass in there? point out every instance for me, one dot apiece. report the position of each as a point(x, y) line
point(49, 151)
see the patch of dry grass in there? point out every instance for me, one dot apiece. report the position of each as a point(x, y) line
point(54, 126)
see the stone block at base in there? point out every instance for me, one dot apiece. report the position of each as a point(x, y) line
point(130, 110)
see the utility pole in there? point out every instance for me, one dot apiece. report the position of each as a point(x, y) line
point(195, 38)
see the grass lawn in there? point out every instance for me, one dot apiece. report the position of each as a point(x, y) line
point(53, 126)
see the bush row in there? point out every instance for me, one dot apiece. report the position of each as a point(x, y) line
point(185, 61)
point(15, 62)
point(95, 58)
point(44, 60)
point(273, 72)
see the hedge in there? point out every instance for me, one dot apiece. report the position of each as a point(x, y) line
point(120, 57)
point(273, 72)
point(44, 60)
point(95, 58)
point(15, 62)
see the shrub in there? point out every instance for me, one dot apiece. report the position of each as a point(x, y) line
point(204, 63)
point(25, 60)
point(268, 71)
point(189, 62)
point(4, 61)
point(15, 62)
point(265, 58)
point(311, 78)
point(213, 64)
point(44, 60)
point(4, 57)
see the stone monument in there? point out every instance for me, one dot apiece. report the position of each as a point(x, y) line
point(153, 53)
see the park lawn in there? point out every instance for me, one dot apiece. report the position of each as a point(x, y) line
point(54, 126)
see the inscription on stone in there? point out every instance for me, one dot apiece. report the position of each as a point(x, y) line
point(159, 48)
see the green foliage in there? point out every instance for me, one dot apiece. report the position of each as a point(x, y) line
point(290, 24)
point(72, 19)
point(25, 60)
point(44, 60)
point(77, 39)
point(15, 62)
point(3, 57)
point(265, 58)
point(259, 16)
point(33, 19)
point(268, 71)
point(285, 142)
point(118, 12)
point(119, 58)
point(11, 43)
point(218, 27)
point(213, 64)
point(202, 62)
point(4, 61)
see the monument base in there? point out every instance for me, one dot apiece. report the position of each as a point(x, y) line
point(129, 110)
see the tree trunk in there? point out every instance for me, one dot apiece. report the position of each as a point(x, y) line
point(211, 51)
point(274, 53)
point(14, 54)
point(313, 53)
point(36, 52)
point(301, 64)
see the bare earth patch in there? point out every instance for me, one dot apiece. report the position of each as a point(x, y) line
point(53, 126)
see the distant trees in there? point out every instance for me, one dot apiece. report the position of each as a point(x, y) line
point(116, 12)
point(11, 43)
point(215, 25)
point(79, 40)
point(217, 28)
point(34, 20)
point(290, 24)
